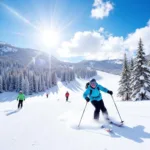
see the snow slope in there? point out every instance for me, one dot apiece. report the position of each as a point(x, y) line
point(51, 124)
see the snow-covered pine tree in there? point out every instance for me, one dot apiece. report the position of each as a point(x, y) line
point(131, 71)
point(5, 86)
point(26, 86)
point(1, 84)
point(21, 78)
point(30, 82)
point(11, 83)
point(140, 82)
point(62, 76)
point(17, 83)
point(124, 88)
point(54, 78)
point(131, 64)
point(43, 83)
point(35, 83)
point(39, 84)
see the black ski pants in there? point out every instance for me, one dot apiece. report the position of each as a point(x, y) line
point(99, 105)
point(20, 104)
point(67, 98)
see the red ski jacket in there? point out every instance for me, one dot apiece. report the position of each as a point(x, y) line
point(67, 94)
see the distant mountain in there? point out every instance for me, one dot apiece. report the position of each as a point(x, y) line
point(110, 66)
point(27, 56)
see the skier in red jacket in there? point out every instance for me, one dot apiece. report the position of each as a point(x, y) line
point(67, 96)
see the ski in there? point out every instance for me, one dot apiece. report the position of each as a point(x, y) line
point(106, 129)
point(116, 124)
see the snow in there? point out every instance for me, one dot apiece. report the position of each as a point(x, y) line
point(141, 77)
point(118, 62)
point(145, 84)
point(142, 90)
point(5, 48)
point(45, 124)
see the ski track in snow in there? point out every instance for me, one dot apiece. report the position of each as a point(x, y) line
point(52, 123)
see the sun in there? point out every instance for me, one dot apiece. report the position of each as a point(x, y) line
point(50, 37)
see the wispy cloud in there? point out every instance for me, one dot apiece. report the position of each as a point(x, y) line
point(18, 33)
point(101, 9)
point(17, 14)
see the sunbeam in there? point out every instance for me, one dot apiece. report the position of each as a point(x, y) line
point(17, 14)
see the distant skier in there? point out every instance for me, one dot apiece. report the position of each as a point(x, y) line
point(20, 98)
point(93, 95)
point(47, 95)
point(67, 96)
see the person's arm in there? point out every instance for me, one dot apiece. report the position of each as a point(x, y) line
point(105, 89)
point(86, 95)
point(17, 97)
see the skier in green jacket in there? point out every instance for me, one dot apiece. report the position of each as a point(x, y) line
point(20, 98)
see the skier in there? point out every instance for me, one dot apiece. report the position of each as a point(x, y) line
point(20, 98)
point(93, 95)
point(67, 96)
point(47, 95)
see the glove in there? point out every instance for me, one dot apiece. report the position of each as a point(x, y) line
point(87, 99)
point(110, 92)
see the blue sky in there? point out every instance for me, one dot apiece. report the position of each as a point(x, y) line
point(70, 17)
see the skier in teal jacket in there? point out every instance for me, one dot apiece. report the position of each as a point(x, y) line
point(93, 95)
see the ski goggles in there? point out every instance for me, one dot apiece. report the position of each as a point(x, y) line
point(93, 84)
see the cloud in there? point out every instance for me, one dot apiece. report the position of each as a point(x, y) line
point(92, 45)
point(101, 9)
point(100, 45)
point(133, 38)
point(18, 33)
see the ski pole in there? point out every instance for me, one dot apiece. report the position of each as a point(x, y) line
point(82, 114)
point(117, 109)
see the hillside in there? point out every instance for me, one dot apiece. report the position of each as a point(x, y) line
point(51, 123)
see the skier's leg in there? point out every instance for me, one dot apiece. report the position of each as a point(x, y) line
point(97, 109)
point(21, 103)
point(66, 98)
point(104, 110)
point(18, 104)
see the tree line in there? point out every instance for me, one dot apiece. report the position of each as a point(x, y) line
point(32, 79)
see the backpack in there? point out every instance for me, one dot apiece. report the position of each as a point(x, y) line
point(86, 86)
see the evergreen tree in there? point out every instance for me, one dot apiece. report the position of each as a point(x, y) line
point(63, 76)
point(43, 88)
point(140, 76)
point(30, 83)
point(35, 84)
point(1, 84)
point(124, 89)
point(11, 85)
point(17, 83)
point(131, 65)
point(39, 84)
point(21, 78)
point(54, 78)
point(26, 86)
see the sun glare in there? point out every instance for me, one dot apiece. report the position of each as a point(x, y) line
point(50, 38)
